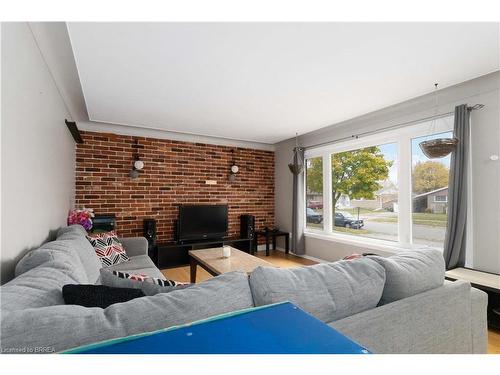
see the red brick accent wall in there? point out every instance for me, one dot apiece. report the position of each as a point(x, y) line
point(175, 173)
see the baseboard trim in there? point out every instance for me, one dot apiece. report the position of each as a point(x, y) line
point(313, 258)
point(263, 248)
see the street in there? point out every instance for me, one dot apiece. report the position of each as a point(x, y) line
point(383, 225)
point(422, 234)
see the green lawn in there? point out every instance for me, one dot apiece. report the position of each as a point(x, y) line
point(431, 220)
point(354, 211)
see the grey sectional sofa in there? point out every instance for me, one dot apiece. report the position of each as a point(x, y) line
point(399, 304)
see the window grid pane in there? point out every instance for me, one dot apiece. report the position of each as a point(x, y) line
point(429, 195)
point(314, 193)
point(365, 192)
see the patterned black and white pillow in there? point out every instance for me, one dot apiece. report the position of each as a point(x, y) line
point(144, 277)
point(108, 249)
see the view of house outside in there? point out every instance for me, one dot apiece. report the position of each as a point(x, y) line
point(365, 193)
point(430, 195)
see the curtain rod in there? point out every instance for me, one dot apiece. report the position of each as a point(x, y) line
point(400, 125)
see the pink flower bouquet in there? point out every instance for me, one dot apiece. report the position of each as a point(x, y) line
point(83, 217)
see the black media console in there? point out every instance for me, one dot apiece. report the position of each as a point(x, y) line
point(175, 254)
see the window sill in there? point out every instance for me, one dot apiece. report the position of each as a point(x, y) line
point(368, 243)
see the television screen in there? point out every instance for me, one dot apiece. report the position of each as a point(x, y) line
point(198, 222)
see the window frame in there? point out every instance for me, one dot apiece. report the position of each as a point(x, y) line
point(403, 138)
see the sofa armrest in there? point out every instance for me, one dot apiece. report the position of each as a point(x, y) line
point(135, 246)
point(479, 325)
point(436, 321)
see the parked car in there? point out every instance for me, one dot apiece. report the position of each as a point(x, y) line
point(313, 217)
point(346, 220)
point(315, 205)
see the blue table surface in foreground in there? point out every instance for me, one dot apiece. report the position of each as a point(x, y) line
point(275, 329)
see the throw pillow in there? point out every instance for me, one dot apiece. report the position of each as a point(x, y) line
point(411, 272)
point(98, 295)
point(144, 277)
point(107, 248)
point(149, 285)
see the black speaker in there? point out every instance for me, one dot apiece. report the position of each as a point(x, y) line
point(176, 230)
point(149, 231)
point(247, 226)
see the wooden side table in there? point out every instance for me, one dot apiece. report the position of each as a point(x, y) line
point(272, 234)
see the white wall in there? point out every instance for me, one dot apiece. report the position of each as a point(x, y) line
point(485, 173)
point(53, 40)
point(37, 150)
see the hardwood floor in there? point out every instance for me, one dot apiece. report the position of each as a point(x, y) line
point(493, 341)
point(276, 257)
point(288, 261)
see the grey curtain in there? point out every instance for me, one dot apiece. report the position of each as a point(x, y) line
point(455, 240)
point(298, 207)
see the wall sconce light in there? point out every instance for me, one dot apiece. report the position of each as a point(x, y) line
point(138, 163)
point(233, 170)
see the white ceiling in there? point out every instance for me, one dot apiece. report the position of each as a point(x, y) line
point(263, 82)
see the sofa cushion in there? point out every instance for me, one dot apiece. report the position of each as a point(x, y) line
point(411, 272)
point(329, 291)
point(150, 287)
point(84, 250)
point(72, 229)
point(135, 263)
point(65, 327)
point(38, 287)
point(60, 250)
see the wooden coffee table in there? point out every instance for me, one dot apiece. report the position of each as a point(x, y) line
point(212, 261)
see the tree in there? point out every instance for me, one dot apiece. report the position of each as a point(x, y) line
point(314, 179)
point(428, 176)
point(357, 173)
point(354, 173)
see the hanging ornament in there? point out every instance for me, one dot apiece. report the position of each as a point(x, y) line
point(296, 169)
point(440, 147)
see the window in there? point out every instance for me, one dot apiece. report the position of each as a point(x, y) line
point(380, 188)
point(314, 193)
point(430, 195)
point(365, 192)
point(441, 198)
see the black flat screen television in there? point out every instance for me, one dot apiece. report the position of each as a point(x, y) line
point(198, 222)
